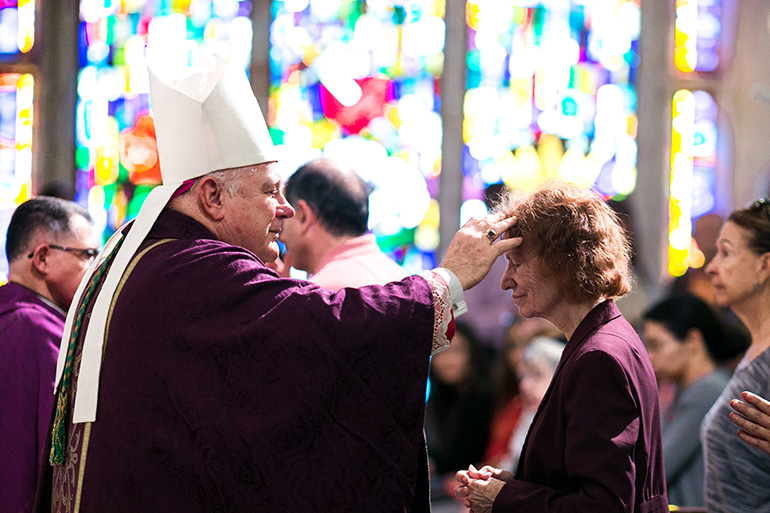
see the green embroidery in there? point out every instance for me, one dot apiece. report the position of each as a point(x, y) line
point(59, 432)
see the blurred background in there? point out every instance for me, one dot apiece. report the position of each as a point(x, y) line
point(659, 105)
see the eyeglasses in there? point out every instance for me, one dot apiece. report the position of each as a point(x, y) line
point(761, 203)
point(84, 253)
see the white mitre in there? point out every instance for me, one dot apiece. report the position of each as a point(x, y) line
point(206, 120)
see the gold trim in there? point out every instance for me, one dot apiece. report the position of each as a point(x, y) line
point(87, 429)
point(82, 467)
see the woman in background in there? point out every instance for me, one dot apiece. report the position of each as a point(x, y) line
point(738, 475)
point(538, 363)
point(459, 409)
point(508, 403)
point(687, 344)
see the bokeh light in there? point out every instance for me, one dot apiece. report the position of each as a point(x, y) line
point(551, 94)
point(358, 82)
point(693, 174)
point(116, 156)
point(698, 33)
point(16, 115)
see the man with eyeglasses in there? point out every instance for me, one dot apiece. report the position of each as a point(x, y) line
point(49, 244)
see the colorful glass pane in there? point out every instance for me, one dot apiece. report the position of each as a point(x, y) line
point(357, 81)
point(116, 156)
point(693, 174)
point(17, 26)
point(551, 94)
point(16, 95)
point(698, 35)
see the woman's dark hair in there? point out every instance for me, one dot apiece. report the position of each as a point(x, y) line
point(478, 361)
point(681, 313)
point(755, 219)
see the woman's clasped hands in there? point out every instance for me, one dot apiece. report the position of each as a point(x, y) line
point(479, 488)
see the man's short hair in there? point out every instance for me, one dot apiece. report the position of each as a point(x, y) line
point(52, 215)
point(340, 200)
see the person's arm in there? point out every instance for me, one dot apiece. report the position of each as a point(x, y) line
point(753, 418)
point(680, 441)
point(469, 258)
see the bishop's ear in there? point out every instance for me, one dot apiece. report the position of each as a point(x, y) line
point(211, 197)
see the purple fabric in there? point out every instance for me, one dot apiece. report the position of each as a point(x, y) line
point(30, 332)
point(595, 443)
point(227, 388)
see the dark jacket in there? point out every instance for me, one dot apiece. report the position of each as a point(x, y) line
point(595, 443)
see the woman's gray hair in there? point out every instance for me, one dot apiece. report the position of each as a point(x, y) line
point(544, 351)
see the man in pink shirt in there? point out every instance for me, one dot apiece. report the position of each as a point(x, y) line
point(327, 237)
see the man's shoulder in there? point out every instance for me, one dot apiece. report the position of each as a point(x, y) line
point(358, 271)
point(183, 266)
point(197, 250)
point(18, 302)
point(30, 321)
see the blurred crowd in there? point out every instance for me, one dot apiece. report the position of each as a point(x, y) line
point(483, 398)
point(705, 341)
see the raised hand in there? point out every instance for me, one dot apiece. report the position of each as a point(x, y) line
point(476, 246)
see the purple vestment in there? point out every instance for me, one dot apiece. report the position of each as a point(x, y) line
point(226, 388)
point(30, 332)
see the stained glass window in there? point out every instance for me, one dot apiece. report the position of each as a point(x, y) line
point(694, 134)
point(357, 81)
point(17, 37)
point(17, 26)
point(698, 35)
point(117, 161)
point(551, 94)
point(16, 94)
point(692, 178)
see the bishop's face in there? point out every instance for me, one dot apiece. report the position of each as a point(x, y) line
point(256, 210)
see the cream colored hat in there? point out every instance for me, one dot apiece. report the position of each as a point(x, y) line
point(205, 120)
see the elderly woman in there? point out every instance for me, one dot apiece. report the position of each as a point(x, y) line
point(595, 442)
point(738, 475)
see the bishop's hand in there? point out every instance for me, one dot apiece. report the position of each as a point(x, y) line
point(476, 246)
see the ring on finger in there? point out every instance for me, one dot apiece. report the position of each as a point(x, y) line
point(491, 235)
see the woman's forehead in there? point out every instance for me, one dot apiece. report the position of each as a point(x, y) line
point(522, 251)
point(733, 234)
